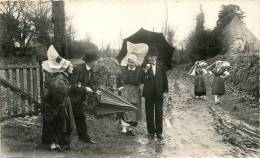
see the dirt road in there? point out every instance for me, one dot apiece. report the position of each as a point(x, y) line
point(192, 133)
point(188, 133)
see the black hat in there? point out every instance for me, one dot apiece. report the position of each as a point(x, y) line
point(89, 57)
point(153, 51)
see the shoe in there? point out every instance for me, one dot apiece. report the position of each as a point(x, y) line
point(87, 140)
point(159, 136)
point(130, 133)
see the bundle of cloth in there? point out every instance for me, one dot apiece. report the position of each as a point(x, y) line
point(198, 65)
point(220, 64)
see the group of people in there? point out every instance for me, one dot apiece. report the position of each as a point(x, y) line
point(153, 76)
point(67, 89)
point(65, 93)
point(220, 70)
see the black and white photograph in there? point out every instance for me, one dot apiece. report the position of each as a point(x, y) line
point(129, 78)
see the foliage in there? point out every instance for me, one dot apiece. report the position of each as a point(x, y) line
point(169, 35)
point(108, 52)
point(25, 20)
point(77, 49)
point(202, 44)
point(245, 75)
point(226, 14)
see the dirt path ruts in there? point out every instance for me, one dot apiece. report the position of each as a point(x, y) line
point(193, 134)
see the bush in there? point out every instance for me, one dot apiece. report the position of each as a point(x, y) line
point(77, 49)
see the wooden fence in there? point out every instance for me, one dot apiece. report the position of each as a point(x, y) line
point(27, 79)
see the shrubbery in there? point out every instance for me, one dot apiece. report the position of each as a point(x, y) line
point(77, 49)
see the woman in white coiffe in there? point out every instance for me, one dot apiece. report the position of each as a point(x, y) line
point(57, 111)
point(220, 69)
point(128, 84)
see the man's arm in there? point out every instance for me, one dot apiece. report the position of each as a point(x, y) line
point(74, 81)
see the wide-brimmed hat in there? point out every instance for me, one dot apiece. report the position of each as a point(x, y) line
point(153, 51)
point(90, 56)
point(55, 63)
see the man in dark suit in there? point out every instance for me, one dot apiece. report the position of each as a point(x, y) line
point(82, 85)
point(155, 85)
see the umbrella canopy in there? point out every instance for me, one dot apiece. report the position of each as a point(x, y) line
point(110, 103)
point(152, 39)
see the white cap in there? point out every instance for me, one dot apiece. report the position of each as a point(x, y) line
point(132, 57)
point(55, 63)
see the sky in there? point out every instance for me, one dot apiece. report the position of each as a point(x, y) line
point(109, 21)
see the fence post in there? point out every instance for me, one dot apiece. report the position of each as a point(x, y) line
point(41, 82)
point(7, 76)
point(29, 91)
point(35, 89)
point(21, 78)
point(14, 79)
point(0, 105)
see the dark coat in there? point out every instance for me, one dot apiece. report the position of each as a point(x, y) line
point(129, 77)
point(130, 80)
point(161, 81)
point(199, 84)
point(57, 112)
point(85, 78)
point(218, 86)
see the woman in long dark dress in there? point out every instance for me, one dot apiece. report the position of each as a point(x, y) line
point(128, 84)
point(57, 110)
point(218, 86)
point(199, 84)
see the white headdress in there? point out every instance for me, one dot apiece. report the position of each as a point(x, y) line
point(55, 63)
point(139, 50)
point(133, 57)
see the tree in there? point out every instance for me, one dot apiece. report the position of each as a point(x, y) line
point(202, 43)
point(196, 38)
point(227, 13)
point(70, 32)
point(25, 20)
point(77, 49)
point(170, 35)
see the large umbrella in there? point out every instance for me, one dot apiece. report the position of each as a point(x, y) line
point(111, 103)
point(152, 39)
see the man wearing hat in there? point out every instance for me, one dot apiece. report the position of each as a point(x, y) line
point(82, 85)
point(155, 84)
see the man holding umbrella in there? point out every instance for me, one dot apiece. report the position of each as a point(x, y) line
point(82, 85)
point(155, 84)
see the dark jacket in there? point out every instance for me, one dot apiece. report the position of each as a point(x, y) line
point(160, 81)
point(129, 77)
point(57, 112)
point(80, 79)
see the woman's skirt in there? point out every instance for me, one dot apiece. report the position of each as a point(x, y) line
point(132, 94)
point(58, 123)
point(218, 86)
point(199, 86)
